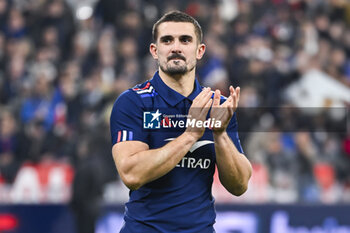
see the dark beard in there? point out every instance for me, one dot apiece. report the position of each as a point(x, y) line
point(177, 70)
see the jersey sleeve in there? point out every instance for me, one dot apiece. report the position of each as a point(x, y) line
point(232, 131)
point(126, 119)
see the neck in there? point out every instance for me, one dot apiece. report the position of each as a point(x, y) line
point(183, 84)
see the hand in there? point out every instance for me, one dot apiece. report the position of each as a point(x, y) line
point(199, 111)
point(225, 111)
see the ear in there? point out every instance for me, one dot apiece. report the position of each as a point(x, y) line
point(153, 50)
point(200, 51)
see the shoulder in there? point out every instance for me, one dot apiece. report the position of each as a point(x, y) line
point(126, 98)
point(136, 92)
point(138, 95)
point(143, 88)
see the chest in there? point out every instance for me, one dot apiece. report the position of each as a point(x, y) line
point(172, 123)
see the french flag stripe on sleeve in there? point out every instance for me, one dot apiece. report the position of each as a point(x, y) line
point(124, 135)
point(119, 136)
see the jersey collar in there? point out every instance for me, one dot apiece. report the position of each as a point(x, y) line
point(171, 96)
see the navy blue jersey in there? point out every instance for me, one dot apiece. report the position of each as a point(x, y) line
point(181, 200)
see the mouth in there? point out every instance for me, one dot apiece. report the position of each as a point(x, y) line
point(176, 60)
point(176, 57)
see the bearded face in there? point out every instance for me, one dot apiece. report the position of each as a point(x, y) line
point(177, 48)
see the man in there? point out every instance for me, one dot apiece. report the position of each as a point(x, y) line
point(165, 160)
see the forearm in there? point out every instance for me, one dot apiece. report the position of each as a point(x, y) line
point(233, 167)
point(145, 166)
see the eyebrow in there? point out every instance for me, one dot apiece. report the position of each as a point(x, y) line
point(166, 37)
point(169, 37)
point(187, 37)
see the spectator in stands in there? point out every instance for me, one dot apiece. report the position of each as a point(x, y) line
point(9, 146)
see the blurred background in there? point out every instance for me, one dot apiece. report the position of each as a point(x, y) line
point(64, 62)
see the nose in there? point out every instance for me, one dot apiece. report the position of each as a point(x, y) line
point(176, 47)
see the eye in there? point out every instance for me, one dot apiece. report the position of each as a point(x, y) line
point(186, 39)
point(166, 39)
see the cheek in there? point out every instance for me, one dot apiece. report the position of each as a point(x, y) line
point(162, 55)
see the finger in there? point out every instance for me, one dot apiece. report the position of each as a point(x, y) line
point(209, 103)
point(203, 112)
point(204, 100)
point(232, 90)
point(233, 93)
point(200, 96)
point(203, 92)
point(228, 102)
point(216, 101)
point(238, 91)
point(206, 108)
point(235, 99)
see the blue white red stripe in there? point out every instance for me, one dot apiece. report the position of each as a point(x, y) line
point(124, 135)
point(143, 88)
point(148, 88)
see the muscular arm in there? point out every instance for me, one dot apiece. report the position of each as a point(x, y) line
point(137, 165)
point(233, 167)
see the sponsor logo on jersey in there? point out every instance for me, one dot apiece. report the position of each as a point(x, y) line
point(191, 162)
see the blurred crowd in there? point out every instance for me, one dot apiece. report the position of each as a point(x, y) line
point(62, 67)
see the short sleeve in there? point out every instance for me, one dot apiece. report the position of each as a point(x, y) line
point(232, 131)
point(126, 119)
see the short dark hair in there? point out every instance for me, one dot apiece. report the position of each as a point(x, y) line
point(177, 16)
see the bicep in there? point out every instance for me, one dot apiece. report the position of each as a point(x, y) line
point(123, 151)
